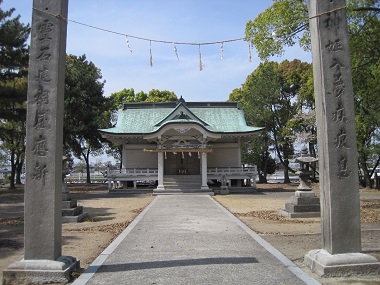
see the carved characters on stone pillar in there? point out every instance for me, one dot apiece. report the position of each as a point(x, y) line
point(39, 173)
point(335, 48)
point(42, 79)
point(341, 139)
point(42, 96)
point(332, 21)
point(44, 54)
point(40, 149)
point(43, 76)
point(339, 115)
point(344, 172)
point(339, 86)
point(41, 120)
point(45, 30)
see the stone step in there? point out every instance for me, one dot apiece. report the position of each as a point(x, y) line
point(72, 211)
point(290, 207)
point(183, 192)
point(182, 182)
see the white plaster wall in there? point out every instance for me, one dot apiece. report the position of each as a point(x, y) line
point(137, 158)
point(224, 155)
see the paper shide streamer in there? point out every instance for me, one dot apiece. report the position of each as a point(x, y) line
point(302, 21)
point(200, 58)
point(129, 47)
point(175, 44)
point(175, 51)
point(150, 52)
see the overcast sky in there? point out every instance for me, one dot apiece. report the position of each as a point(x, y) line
point(197, 21)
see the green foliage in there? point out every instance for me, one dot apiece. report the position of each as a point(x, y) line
point(256, 152)
point(155, 95)
point(86, 109)
point(365, 57)
point(13, 66)
point(13, 89)
point(117, 100)
point(285, 24)
point(269, 99)
point(282, 24)
point(129, 95)
point(236, 96)
point(121, 97)
point(302, 126)
point(13, 46)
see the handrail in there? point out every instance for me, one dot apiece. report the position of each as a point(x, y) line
point(146, 172)
point(232, 169)
point(134, 171)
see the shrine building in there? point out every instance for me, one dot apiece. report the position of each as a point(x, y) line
point(183, 146)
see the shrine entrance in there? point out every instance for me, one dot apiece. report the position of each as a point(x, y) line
point(182, 163)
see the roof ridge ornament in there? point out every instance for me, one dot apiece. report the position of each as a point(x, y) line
point(182, 116)
point(181, 100)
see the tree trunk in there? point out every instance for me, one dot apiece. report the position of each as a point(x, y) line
point(13, 171)
point(265, 170)
point(262, 178)
point(286, 171)
point(284, 162)
point(87, 160)
point(313, 164)
point(20, 163)
point(367, 178)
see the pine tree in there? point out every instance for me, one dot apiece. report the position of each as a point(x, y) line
point(13, 87)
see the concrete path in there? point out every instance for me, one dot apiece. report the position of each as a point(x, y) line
point(191, 239)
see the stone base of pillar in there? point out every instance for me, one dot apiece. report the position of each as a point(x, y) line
point(224, 190)
point(71, 212)
point(205, 187)
point(160, 187)
point(305, 204)
point(340, 265)
point(40, 271)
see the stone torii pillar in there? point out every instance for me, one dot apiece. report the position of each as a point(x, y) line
point(43, 262)
point(204, 185)
point(160, 168)
point(339, 185)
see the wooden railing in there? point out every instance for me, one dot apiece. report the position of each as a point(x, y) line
point(133, 173)
point(232, 170)
point(232, 173)
point(152, 173)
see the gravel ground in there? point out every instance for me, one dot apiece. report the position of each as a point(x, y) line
point(295, 237)
point(109, 214)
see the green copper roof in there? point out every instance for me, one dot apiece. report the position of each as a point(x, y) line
point(149, 118)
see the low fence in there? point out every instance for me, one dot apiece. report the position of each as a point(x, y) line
point(126, 174)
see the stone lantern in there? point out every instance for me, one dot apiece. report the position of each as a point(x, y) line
point(71, 212)
point(65, 189)
point(305, 203)
point(304, 173)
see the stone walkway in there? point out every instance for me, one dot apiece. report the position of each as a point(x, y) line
point(191, 239)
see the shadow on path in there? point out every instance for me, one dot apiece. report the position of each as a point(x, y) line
point(171, 263)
